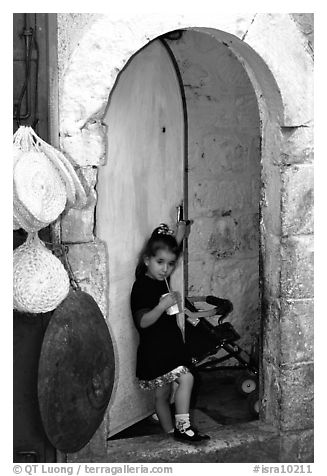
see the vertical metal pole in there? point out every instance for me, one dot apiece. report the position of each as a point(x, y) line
point(52, 60)
point(53, 104)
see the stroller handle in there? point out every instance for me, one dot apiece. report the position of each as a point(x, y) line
point(223, 307)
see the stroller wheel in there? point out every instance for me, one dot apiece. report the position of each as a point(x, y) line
point(254, 404)
point(246, 384)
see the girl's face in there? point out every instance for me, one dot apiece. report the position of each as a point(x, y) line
point(161, 265)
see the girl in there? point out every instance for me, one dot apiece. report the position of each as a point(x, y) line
point(162, 358)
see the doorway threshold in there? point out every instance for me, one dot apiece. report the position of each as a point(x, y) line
point(242, 443)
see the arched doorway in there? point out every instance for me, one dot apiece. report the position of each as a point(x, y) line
point(136, 191)
point(279, 103)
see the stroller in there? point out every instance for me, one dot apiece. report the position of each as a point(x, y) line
point(204, 341)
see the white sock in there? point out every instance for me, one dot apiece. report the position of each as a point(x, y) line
point(182, 421)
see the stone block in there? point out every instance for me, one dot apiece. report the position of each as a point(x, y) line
point(246, 110)
point(271, 331)
point(199, 275)
point(271, 263)
point(224, 153)
point(248, 232)
point(235, 275)
point(194, 75)
point(89, 263)
point(255, 151)
point(297, 270)
point(297, 447)
point(238, 281)
point(223, 241)
point(202, 228)
point(232, 236)
point(296, 331)
point(270, 199)
point(224, 236)
point(85, 145)
point(71, 26)
point(208, 196)
point(291, 66)
point(204, 111)
point(88, 176)
point(297, 200)
point(221, 152)
point(271, 140)
point(296, 404)
point(270, 400)
point(305, 23)
point(298, 145)
point(77, 225)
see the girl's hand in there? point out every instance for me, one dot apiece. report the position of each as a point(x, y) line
point(182, 230)
point(169, 300)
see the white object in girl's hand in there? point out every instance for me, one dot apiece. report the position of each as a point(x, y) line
point(174, 309)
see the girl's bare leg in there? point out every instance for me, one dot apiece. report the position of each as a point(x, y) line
point(162, 406)
point(184, 429)
point(183, 393)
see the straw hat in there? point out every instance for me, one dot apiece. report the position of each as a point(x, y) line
point(23, 217)
point(41, 282)
point(76, 196)
point(80, 197)
point(52, 154)
point(39, 192)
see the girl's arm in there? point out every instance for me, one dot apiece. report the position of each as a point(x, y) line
point(152, 316)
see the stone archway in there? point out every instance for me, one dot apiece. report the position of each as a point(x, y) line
point(281, 78)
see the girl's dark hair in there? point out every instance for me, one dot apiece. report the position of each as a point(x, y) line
point(159, 240)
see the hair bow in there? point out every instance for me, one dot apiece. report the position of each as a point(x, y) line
point(164, 229)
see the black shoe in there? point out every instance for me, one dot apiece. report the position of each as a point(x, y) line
point(183, 436)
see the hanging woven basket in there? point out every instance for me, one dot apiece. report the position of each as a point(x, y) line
point(17, 152)
point(40, 280)
point(38, 187)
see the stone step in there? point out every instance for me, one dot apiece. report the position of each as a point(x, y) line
point(243, 443)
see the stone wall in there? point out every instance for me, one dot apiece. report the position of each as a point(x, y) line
point(87, 255)
point(297, 279)
point(223, 178)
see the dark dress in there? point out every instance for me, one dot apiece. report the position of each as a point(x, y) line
point(161, 348)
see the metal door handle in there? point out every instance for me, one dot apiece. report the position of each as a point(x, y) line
point(180, 212)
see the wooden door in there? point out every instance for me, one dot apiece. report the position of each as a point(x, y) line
point(139, 187)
